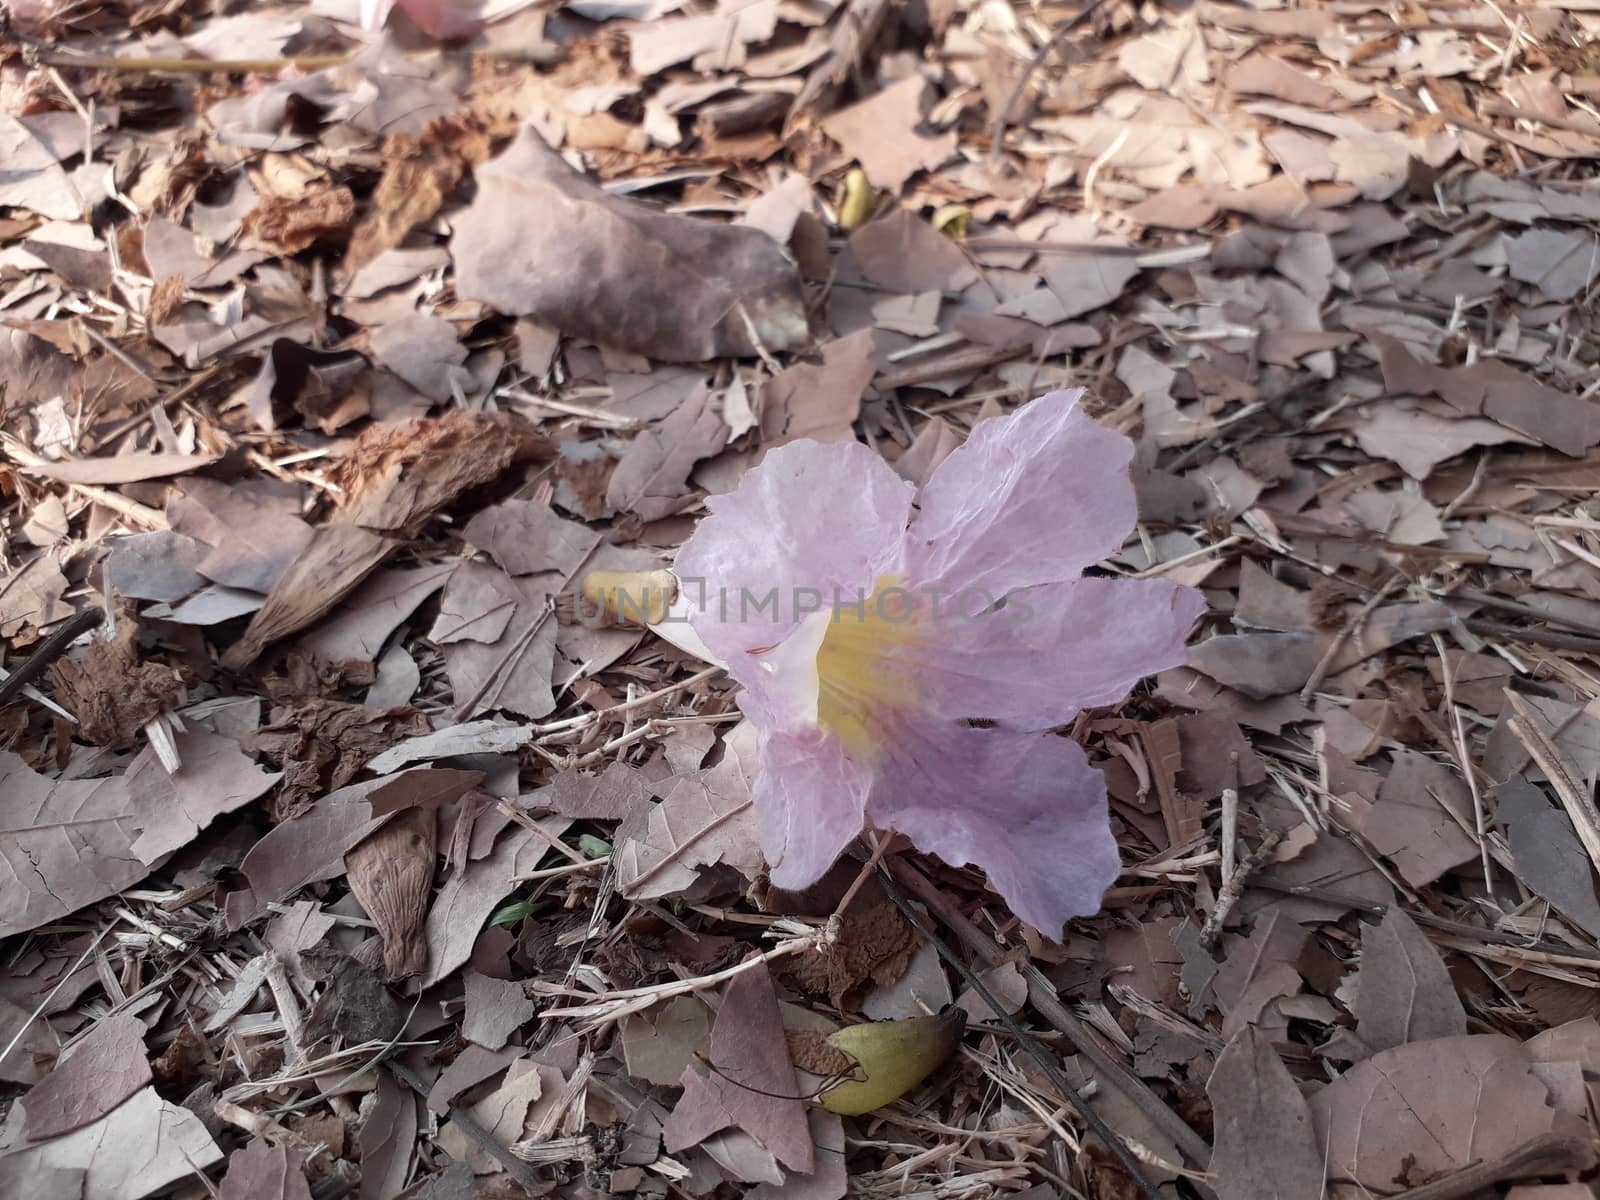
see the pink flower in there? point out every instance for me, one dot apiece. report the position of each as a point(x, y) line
point(441, 19)
point(905, 672)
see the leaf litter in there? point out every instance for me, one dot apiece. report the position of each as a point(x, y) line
point(351, 800)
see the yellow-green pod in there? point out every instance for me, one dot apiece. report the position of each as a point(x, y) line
point(891, 1058)
point(859, 200)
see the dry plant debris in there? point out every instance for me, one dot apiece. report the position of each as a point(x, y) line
point(357, 850)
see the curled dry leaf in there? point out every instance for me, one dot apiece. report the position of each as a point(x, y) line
point(390, 873)
point(394, 478)
point(542, 241)
point(112, 690)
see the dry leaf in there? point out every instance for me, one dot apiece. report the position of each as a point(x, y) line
point(142, 1146)
point(123, 468)
point(496, 1008)
point(820, 401)
point(262, 1171)
point(1266, 1147)
point(1420, 1110)
point(881, 133)
point(391, 874)
point(753, 1087)
point(652, 477)
point(616, 272)
point(394, 478)
point(111, 690)
point(97, 1073)
point(1404, 993)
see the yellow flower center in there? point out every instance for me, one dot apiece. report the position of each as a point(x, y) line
point(865, 666)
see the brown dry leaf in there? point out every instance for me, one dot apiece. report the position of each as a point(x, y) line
point(142, 1146)
point(903, 253)
point(496, 1008)
point(821, 401)
point(1261, 665)
point(391, 874)
point(881, 133)
point(525, 537)
point(500, 641)
point(357, 630)
point(1258, 970)
point(387, 1140)
point(154, 566)
point(420, 170)
point(262, 1171)
point(394, 478)
point(31, 599)
point(1491, 388)
point(111, 689)
point(503, 1113)
point(1404, 993)
point(705, 818)
point(472, 737)
point(607, 796)
point(1265, 1143)
point(468, 897)
point(355, 1005)
point(123, 468)
point(542, 241)
point(875, 944)
point(283, 225)
point(251, 528)
point(1549, 857)
point(1409, 1114)
point(754, 1085)
point(1559, 263)
point(312, 847)
point(1408, 823)
point(68, 841)
point(658, 1045)
point(98, 1072)
point(471, 1067)
point(215, 778)
point(652, 477)
point(323, 744)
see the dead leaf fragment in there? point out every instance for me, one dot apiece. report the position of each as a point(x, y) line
point(496, 1008)
point(1428, 1108)
point(1265, 1143)
point(112, 690)
point(543, 242)
point(97, 1073)
point(652, 476)
point(881, 133)
point(754, 1086)
point(1404, 993)
point(394, 478)
point(391, 873)
point(262, 1171)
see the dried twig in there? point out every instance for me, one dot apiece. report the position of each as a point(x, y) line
point(1234, 887)
point(1047, 1063)
point(1547, 1154)
point(1002, 118)
point(52, 648)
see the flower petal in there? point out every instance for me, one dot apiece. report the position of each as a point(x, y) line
point(810, 799)
point(810, 520)
point(1031, 498)
point(1026, 807)
point(1053, 650)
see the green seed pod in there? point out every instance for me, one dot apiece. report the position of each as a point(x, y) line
point(891, 1058)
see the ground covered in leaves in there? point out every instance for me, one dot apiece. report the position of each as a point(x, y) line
point(344, 856)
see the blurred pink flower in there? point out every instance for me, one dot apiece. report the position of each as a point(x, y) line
point(904, 672)
point(441, 19)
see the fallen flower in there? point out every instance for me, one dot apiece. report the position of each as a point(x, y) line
point(907, 678)
point(436, 18)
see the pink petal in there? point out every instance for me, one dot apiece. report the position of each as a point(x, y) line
point(811, 520)
point(441, 19)
point(1031, 498)
point(809, 801)
point(1026, 807)
point(1053, 650)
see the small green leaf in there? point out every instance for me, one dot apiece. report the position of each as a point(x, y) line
point(592, 846)
point(519, 910)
